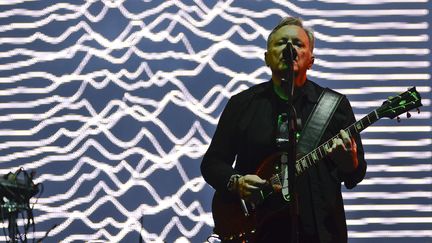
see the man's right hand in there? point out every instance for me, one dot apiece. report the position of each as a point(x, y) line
point(249, 187)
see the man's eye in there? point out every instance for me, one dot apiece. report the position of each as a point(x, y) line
point(299, 44)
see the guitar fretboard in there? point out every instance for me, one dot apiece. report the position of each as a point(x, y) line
point(320, 152)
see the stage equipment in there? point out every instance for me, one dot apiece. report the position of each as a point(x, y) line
point(16, 189)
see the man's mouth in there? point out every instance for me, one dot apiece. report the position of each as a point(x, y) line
point(286, 60)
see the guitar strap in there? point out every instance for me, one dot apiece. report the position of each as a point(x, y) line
point(313, 130)
point(318, 121)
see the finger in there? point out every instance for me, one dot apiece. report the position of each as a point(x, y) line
point(244, 191)
point(333, 145)
point(277, 187)
point(246, 184)
point(330, 148)
point(353, 144)
point(254, 180)
point(348, 145)
point(344, 136)
point(250, 187)
point(337, 142)
point(249, 194)
point(257, 184)
point(245, 194)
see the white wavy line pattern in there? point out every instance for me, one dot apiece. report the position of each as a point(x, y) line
point(114, 103)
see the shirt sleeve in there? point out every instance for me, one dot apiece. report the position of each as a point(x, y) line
point(216, 166)
point(353, 178)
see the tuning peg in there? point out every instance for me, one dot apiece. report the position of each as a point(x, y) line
point(408, 115)
point(418, 110)
point(398, 119)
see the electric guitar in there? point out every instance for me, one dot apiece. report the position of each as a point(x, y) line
point(233, 219)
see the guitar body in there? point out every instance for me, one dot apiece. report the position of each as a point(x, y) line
point(231, 223)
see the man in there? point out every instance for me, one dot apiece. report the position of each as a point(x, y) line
point(246, 134)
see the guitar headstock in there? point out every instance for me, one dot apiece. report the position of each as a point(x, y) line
point(397, 105)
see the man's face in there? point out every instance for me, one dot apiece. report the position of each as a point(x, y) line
point(299, 39)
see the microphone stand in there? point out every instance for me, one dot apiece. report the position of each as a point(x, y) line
point(288, 86)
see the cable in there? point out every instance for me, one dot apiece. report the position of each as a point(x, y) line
point(46, 234)
point(4, 228)
point(32, 207)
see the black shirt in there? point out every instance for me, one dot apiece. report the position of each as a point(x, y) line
point(246, 134)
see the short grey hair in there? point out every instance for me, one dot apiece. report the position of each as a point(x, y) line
point(297, 22)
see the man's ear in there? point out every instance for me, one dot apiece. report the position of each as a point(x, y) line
point(312, 60)
point(265, 59)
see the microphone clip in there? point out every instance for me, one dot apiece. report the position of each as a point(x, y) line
point(289, 53)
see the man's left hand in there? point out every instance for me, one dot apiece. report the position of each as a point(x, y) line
point(344, 152)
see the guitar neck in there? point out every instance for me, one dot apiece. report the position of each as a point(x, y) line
point(391, 108)
point(320, 152)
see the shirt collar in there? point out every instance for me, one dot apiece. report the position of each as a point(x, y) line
point(308, 91)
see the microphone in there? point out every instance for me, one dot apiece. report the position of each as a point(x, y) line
point(289, 53)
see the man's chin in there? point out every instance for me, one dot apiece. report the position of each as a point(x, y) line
point(285, 67)
point(286, 71)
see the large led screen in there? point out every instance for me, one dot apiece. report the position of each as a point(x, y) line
point(113, 103)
